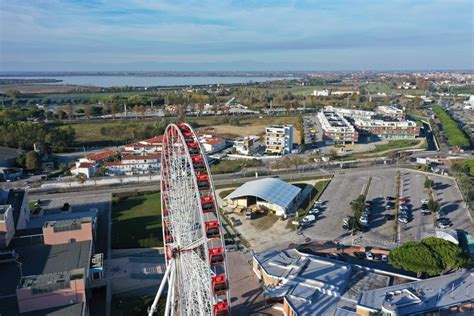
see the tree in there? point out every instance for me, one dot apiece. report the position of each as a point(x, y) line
point(32, 161)
point(333, 154)
point(433, 205)
point(428, 183)
point(12, 93)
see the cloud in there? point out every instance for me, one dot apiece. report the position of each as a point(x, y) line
point(204, 31)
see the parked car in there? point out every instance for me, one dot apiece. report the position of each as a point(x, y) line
point(346, 220)
point(364, 220)
point(384, 258)
point(308, 219)
point(424, 201)
point(369, 255)
point(377, 257)
point(314, 211)
point(389, 198)
point(403, 220)
point(249, 215)
point(444, 224)
point(425, 211)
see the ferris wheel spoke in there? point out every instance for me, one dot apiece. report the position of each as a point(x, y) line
point(194, 244)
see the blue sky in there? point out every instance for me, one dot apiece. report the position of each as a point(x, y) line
point(53, 35)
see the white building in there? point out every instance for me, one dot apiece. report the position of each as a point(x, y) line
point(279, 139)
point(86, 168)
point(211, 143)
point(134, 165)
point(336, 129)
point(322, 93)
point(246, 145)
point(145, 147)
point(390, 111)
point(360, 114)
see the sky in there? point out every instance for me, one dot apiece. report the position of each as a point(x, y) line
point(153, 35)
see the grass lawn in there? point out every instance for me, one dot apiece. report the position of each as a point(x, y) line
point(136, 221)
point(396, 144)
point(89, 132)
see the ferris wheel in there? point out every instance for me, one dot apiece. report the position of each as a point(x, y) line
point(196, 271)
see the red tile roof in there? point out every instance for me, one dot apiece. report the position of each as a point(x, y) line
point(86, 165)
point(213, 141)
point(141, 157)
point(155, 140)
point(102, 155)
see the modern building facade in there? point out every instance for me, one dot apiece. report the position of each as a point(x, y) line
point(135, 165)
point(246, 145)
point(279, 139)
point(387, 129)
point(390, 111)
point(336, 129)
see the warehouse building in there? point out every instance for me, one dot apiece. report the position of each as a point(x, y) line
point(274, 194)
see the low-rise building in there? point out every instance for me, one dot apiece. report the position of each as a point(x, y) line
point(279, 139)
point(336, 129)
point(321, 93)
point(212, 143)
point(390, 112)
point(134, 165)
point(145, 147)
point(87, 169)
point(273, 194)
point(8, 156)
point(387, 129)
point(447, 294)
point(246, 145)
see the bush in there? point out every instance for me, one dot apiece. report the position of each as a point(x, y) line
point(431, 255)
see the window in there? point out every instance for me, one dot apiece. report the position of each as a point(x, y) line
point(72, 240)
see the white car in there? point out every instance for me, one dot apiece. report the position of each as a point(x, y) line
point(369, 255)
point(314, 211)
point(308, 219)
point(384, 258)
point(424, 201)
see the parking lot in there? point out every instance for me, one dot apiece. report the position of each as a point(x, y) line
point(336, 205)
point(383, 232)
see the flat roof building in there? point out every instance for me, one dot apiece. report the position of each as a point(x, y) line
point(336, 129)
point(451, 293)
point(388, 129)
point(390, 111)
point(271, 193)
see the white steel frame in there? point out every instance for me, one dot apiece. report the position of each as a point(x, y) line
point(188, 269)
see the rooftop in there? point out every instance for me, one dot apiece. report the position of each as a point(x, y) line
point(158, 156)
point(424, 295)
point(9, 153)
point(68, 224)
point(40, 221)
point(39, 282)
point(272, 190)
point(102, 155)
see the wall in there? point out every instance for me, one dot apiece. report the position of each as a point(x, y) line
point(28, 302)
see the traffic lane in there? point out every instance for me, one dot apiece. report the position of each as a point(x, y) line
point(381, 186)
point(452, 204)
point(336, 205)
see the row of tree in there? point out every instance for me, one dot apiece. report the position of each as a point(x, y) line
point(25, 134)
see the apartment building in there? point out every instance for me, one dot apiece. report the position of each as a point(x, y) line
point(336, 129)
point(279, 139)
point(387, 129)
point(390, 111)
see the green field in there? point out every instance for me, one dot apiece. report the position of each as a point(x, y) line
point(385, 88)
point(136, 221)
point(454, 134)
point(396, 144)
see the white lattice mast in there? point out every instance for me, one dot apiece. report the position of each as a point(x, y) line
point(192, 232)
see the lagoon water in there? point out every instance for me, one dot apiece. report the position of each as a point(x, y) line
point(146, 81)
